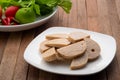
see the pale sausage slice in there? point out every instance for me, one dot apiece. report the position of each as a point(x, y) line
point(59, 57)
point(56, 36)
point(57, 43)
point(77, 36)
point(43, 47)
point(49, 55)
point(93, 49)
point(79, 62)
point(73, 50)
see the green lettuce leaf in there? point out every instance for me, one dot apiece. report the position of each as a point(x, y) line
point(36, 7)
point(50, 3)
point(66, 5)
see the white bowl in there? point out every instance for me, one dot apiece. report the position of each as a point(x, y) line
point(39, 21)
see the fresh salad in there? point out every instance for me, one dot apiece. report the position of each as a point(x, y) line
point(15, 12)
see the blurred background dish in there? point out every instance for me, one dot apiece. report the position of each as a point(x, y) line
point(39, 21)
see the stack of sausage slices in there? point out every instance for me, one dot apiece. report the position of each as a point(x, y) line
point(76, 46)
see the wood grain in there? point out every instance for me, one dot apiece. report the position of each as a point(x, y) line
point(62, 19)
point(9, 56)
point(117, 34)
point(33, 73)
point(117, 2)
point(21, 67)
point(103, 17)
point(81, 14)
point(45, 75)
point(92, 13)
point(3, 40)
point(114, 70)
point(72, 22)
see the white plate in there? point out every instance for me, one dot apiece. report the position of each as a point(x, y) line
point(39, 21)
point(106, 42)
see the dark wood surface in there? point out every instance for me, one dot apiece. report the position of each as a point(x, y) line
point(96, 15)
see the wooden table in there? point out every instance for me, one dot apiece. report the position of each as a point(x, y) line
point(96, 15)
